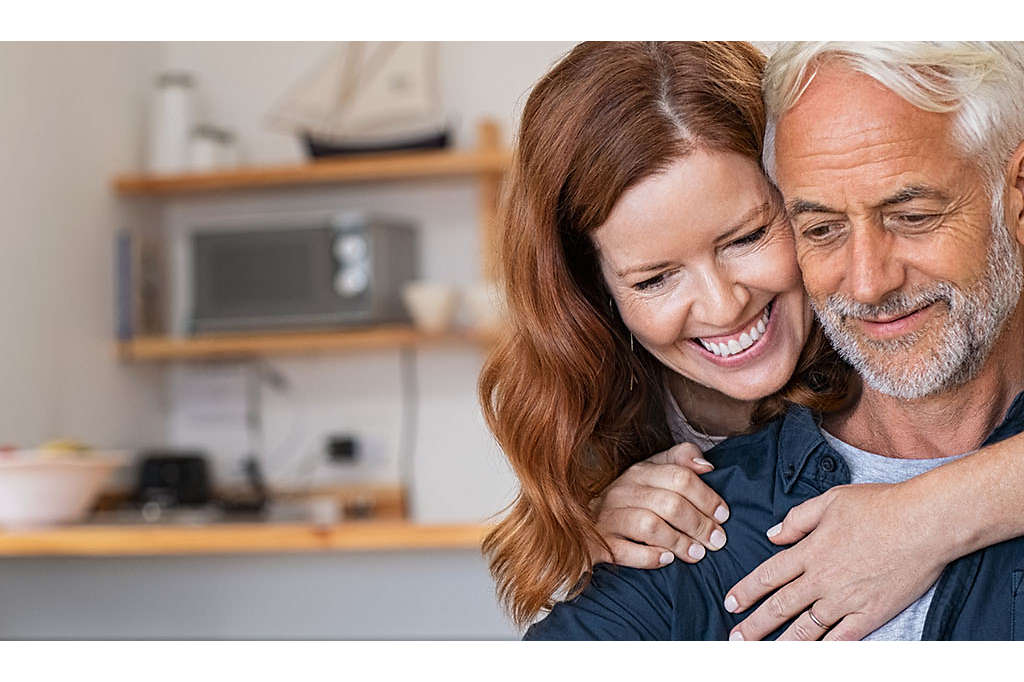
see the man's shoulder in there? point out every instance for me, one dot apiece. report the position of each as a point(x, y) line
point(754, 453)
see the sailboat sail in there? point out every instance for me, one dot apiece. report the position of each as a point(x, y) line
point(366, 92)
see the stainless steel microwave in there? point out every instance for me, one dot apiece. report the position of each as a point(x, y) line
point(348, 269)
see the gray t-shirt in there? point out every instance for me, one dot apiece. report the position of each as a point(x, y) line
point(867, 467)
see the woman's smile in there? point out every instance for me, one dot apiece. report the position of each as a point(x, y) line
point(700, 260)
point(740, 345)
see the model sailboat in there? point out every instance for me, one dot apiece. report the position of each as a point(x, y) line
point(368, 97)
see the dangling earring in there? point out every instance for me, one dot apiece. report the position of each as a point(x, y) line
point(632, 377)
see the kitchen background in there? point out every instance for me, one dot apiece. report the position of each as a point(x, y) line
point(73, 118)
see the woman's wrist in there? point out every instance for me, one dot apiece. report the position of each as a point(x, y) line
point(942, 529)
point(945, 514)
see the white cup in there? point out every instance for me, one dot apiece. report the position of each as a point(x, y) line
point(431, 305)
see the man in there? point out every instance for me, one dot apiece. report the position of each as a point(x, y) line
point(906, 191)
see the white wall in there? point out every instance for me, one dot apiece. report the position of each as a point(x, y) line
point(460, 474)
point(71, 117)
point(69, 120)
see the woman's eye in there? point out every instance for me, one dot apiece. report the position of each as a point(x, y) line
point(648, 284)
point(751, 238)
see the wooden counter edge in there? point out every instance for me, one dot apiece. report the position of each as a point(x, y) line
point(232, 538)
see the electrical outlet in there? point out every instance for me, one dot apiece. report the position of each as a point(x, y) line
point(342, 449)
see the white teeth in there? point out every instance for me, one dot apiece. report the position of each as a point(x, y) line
point(745, 340)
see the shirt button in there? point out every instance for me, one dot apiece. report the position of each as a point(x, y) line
point(828, 464)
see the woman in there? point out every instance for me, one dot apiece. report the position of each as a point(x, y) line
point(650, 272)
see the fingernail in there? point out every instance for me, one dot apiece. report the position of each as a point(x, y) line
point(696, 552)
point(731, 604)
point(717, 540)
point(700, 461)
point(721, 514)
point(736, 636)
point(774, 530)
point(666, 558)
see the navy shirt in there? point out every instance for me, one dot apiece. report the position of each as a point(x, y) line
point(761, 476)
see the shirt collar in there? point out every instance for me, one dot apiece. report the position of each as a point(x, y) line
point(798, 439)
point(800, 436)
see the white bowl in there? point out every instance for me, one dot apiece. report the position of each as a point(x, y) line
point(431, 305)
point(39, 487)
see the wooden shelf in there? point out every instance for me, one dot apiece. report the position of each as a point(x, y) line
point(231, 538)
point(368, 168)
point(155, 348)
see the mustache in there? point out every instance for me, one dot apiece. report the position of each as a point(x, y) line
point(896, 304)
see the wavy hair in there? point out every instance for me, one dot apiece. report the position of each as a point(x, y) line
point(569, 401)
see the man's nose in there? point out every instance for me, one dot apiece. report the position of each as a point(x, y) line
point(873, 268)
point(720, 300)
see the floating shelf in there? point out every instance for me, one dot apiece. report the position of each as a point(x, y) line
point(210, 346)
point(365, 168)
point(232, 538)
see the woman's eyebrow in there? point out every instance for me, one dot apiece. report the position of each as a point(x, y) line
point(642, 268)
point(755, 212)
point(743, 221)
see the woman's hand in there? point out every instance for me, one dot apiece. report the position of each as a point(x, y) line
point(659, 509)
point(863, 554)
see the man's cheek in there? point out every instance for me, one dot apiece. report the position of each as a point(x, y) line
point(816, 274)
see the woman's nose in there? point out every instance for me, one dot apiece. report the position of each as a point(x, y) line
point(720, 301)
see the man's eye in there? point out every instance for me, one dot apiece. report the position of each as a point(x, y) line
point(819, 232)
point(751, 238)
point(913, 219)
point(649, 284)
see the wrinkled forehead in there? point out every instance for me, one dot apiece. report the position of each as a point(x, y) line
point(846, 124)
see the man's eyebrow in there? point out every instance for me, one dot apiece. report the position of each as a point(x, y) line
point(798, 206)
point(914, 192)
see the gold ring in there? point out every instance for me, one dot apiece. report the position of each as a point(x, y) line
point(817, 622)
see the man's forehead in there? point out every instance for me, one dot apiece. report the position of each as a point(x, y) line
point(847, 128)
point(841, 102)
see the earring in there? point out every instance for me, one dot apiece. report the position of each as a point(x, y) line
point(632, 377)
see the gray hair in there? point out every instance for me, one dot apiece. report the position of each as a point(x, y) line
point(982, 82)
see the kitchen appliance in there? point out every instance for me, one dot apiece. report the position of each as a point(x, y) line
point(172, 478)
point(345, 269)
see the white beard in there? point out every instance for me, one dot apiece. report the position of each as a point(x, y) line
point(976, 316)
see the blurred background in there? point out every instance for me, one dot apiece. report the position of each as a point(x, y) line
point(246, 296)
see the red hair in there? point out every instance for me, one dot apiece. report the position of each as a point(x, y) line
point(570, 403)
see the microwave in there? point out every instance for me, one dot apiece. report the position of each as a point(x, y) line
point(344, 269)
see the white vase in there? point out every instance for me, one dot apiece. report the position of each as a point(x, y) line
point(171, 118)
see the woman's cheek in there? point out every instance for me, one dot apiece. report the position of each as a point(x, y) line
point(773, 269)
point(661, 322)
